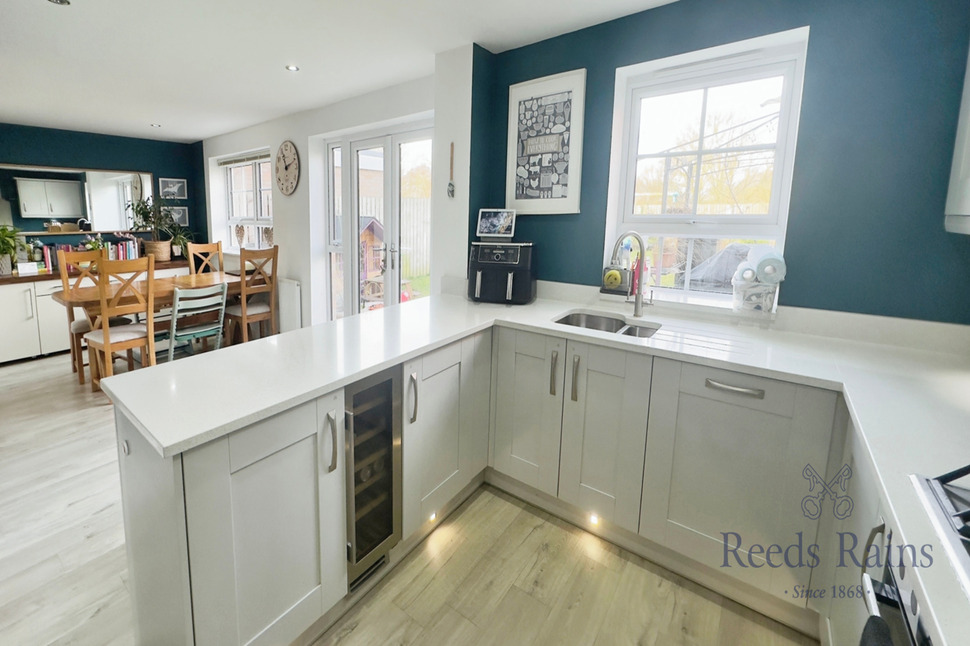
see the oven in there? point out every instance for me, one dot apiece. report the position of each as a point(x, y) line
point(894, 618)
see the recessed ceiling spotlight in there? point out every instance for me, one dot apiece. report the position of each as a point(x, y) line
point(155, 125)
point(60, 2)
point(289, 68)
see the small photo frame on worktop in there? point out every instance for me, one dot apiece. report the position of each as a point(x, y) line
point(545, 146)
point(180, 214)
point(496, 223)
point(173, 189)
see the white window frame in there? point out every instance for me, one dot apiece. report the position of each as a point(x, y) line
point(774, 54)
point(259, 220)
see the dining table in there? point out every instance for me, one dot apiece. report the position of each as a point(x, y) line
point(89, 298)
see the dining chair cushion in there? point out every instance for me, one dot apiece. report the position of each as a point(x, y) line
point(80, 326)
point(252, 308)
point(120, 334)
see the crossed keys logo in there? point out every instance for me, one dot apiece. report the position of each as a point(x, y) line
point(842, 503)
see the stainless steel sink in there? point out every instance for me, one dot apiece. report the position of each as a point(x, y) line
point(639, 331)
point(593, 322)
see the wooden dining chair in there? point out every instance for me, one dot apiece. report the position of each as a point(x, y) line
point(126, 287)
point(86, 265)
point(257, 294)
point(205, 255)
point(197, 313)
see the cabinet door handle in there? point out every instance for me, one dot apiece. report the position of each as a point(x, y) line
point(552, 372)
point(876, 531)
point(332, 421)
point(30, 304)
point(414, 385)
point(351, 503)
point(575, 393)
point(757, 393)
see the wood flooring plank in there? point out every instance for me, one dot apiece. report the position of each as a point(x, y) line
point(451, 628)
point(551, 565)
point(516, 620)
point(490, 579)
point(581, 605)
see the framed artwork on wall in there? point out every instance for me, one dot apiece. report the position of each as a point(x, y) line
point(173, 189)
point(545, 147)
point(180, 214)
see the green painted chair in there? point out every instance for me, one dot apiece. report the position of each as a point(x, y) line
point(197, 313)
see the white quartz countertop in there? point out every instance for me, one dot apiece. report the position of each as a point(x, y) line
point(912, 407)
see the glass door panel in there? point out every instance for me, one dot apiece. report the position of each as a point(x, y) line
point(335, 233)
point(371, 232)
point(380, 246)
point(415, 219)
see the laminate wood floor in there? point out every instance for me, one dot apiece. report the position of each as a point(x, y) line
point(63, 573)
point(495, 572)
point(499, 571)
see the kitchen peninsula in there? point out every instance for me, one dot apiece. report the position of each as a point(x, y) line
point(171, 415)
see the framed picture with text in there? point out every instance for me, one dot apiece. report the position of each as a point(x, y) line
point(545, 147)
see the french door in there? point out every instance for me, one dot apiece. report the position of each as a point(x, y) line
point(380, 252)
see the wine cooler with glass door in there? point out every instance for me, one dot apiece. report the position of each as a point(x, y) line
point(374, 423)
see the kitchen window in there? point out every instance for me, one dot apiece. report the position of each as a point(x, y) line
point(701, 167)
point(249, 185)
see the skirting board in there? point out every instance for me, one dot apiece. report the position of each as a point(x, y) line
point(801, 619)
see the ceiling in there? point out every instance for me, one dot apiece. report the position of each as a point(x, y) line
point(200, 68)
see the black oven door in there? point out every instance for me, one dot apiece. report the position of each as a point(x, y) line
point(887, 624)
point(893, 616)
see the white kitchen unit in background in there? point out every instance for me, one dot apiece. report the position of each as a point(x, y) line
point(19, 338)
point(49, 198)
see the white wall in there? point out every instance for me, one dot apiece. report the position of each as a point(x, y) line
point(452, 123)
point(299, 220)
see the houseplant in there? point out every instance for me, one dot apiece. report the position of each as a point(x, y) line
point(154, 216)
point(10, 244)
point(181, 237)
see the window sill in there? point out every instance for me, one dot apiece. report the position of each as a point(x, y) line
point(712, 306)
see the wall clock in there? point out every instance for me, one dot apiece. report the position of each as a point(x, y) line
point(287, 167)
point(136, 187)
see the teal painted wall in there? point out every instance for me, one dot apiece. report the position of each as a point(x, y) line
point(882, 91)
point(66, 148)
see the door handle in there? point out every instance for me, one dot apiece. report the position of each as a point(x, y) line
point(30, 304)
point(508, 286)
point(414, 385)
point(351, 502)
point(757, 393)
point(332, 421)
point(393, 256)
point(478, 284)
point(575, 393)
point(552, 372)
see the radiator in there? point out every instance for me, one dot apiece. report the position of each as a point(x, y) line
point(291, 312)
